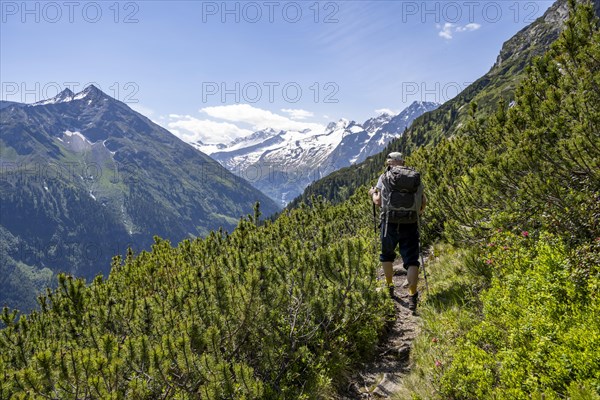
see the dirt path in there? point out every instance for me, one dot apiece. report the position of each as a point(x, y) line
point(381, 377)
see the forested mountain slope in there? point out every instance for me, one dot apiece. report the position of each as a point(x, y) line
point(449, 119)
point(83, 176)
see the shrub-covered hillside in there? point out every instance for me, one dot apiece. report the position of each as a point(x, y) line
point(515, 312)
point(284, 309)
point(280, 310)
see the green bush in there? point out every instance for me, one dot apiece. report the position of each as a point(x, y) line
point(519, 193)
point(281, 310)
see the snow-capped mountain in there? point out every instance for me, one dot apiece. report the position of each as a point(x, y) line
point(63, 97)
point(377, 133)
point(283, 163)
point(245, 142)
point(279, 163)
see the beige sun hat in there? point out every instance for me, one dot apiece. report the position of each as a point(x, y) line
point(395, 156)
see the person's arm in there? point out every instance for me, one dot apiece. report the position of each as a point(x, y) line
point(376, 196)
point(423, 203)
point(375, 192)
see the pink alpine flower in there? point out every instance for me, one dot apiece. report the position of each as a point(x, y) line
point(525, 233)
point(488, 262)
point(438, 363)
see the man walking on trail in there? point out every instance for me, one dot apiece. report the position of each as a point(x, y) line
point(399, 193)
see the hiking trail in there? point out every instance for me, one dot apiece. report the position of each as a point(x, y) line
point(381, 377)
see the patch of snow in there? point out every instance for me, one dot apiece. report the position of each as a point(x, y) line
point(104, 144)
point(45, 102)
point(252, 140)
point(78, 134)
point(208, 148)
point(63, 97)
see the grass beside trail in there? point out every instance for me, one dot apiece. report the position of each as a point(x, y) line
point(517, 318)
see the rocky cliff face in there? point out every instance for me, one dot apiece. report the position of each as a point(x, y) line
point(534, 39)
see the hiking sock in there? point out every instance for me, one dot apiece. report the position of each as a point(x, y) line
point(412, 277)
point(388, 270)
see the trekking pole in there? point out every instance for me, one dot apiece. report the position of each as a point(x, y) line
point(375, 226)
point(375, 218)
point(421, 253)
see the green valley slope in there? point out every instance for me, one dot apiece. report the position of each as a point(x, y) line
point(83, 176)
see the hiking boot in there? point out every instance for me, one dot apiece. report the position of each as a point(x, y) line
point(391, 291)
point(412, 303)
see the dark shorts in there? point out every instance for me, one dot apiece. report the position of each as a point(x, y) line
point(405, 236)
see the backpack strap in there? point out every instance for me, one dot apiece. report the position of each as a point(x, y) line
point(385, 199)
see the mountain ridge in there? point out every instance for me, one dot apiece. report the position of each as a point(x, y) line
point(123, 176)
point(282, 163)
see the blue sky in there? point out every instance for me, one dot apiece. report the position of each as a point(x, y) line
point(213, 71)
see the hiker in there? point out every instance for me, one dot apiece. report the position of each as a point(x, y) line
point(399, 193)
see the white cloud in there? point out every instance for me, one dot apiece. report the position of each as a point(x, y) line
point(448, 30)
point(297, 113)
point(257, 118)
point(191, 130)
point(386, 111)
point(468, 27)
